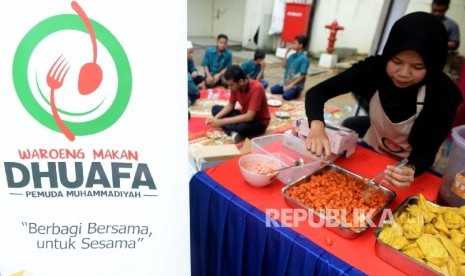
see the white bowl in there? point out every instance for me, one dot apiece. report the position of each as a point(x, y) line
point(254, 168)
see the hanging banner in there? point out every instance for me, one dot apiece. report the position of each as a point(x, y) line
point(92, 179)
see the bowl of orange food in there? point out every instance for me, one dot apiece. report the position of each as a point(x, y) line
point(259, 170)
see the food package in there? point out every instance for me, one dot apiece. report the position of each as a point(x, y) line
point(342, 140)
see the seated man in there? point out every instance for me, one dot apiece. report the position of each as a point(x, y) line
point(192, 91)
point(296, 67)
point(191, 68)
point(254, 116)
point(255, 68)
point(216, 60)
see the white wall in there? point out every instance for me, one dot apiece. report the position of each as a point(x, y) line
point(358, 17)
point(456, 12)
point(208, 18)
point(229, 18)
point(391, 11)
point(264, 40)
point(252, 20)
point(199, 17)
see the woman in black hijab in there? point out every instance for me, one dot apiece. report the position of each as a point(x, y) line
point(409, 100)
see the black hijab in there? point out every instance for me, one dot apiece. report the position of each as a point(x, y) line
point(421, 32)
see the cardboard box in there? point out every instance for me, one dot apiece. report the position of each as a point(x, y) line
point(202, 157)
point(343, 142)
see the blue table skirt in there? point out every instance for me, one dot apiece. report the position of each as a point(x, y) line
point(229, 237)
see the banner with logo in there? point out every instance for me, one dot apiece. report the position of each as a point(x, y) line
point(93, 175)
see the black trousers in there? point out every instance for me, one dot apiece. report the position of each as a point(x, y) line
point(245, 129)
point(198, 79)
point(192, 98)
point(359, 124)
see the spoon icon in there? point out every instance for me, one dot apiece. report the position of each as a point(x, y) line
point(90, 75)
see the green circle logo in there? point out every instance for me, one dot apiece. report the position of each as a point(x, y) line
point(21, 68)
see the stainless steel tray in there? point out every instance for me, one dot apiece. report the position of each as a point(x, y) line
point(397, 258)
point(332, 225)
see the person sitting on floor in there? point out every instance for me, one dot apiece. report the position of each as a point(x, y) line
point(255, 68)
point(254, 116)
point(192, 90)
point(410, 101)
point(191, 68)
point(296, 67)
point(216, 61)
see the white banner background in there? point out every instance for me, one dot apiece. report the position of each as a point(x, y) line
point(154, 125)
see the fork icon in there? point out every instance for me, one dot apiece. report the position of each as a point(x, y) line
point(55, 78)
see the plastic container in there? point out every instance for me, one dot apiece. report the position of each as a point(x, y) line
point(287, 149)
point(452, 191)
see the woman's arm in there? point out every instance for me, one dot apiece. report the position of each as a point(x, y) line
point(356, 79)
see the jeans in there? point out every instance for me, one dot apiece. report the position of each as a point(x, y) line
point(290, 94)
point(245, 129)
point(264, 83)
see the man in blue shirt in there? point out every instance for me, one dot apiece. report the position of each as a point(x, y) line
point(216, 61)
point(295, 73)
point(255, 68)
point(192, 90)
point(191, 68)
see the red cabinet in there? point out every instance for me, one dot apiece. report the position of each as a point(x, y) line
point(296, 21)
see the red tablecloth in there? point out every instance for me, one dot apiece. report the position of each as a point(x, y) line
point(358, 252)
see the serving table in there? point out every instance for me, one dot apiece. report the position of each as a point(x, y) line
point(231, 233)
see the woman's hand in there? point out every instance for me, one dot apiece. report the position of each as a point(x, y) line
point(317, 142)
point(399, 177)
